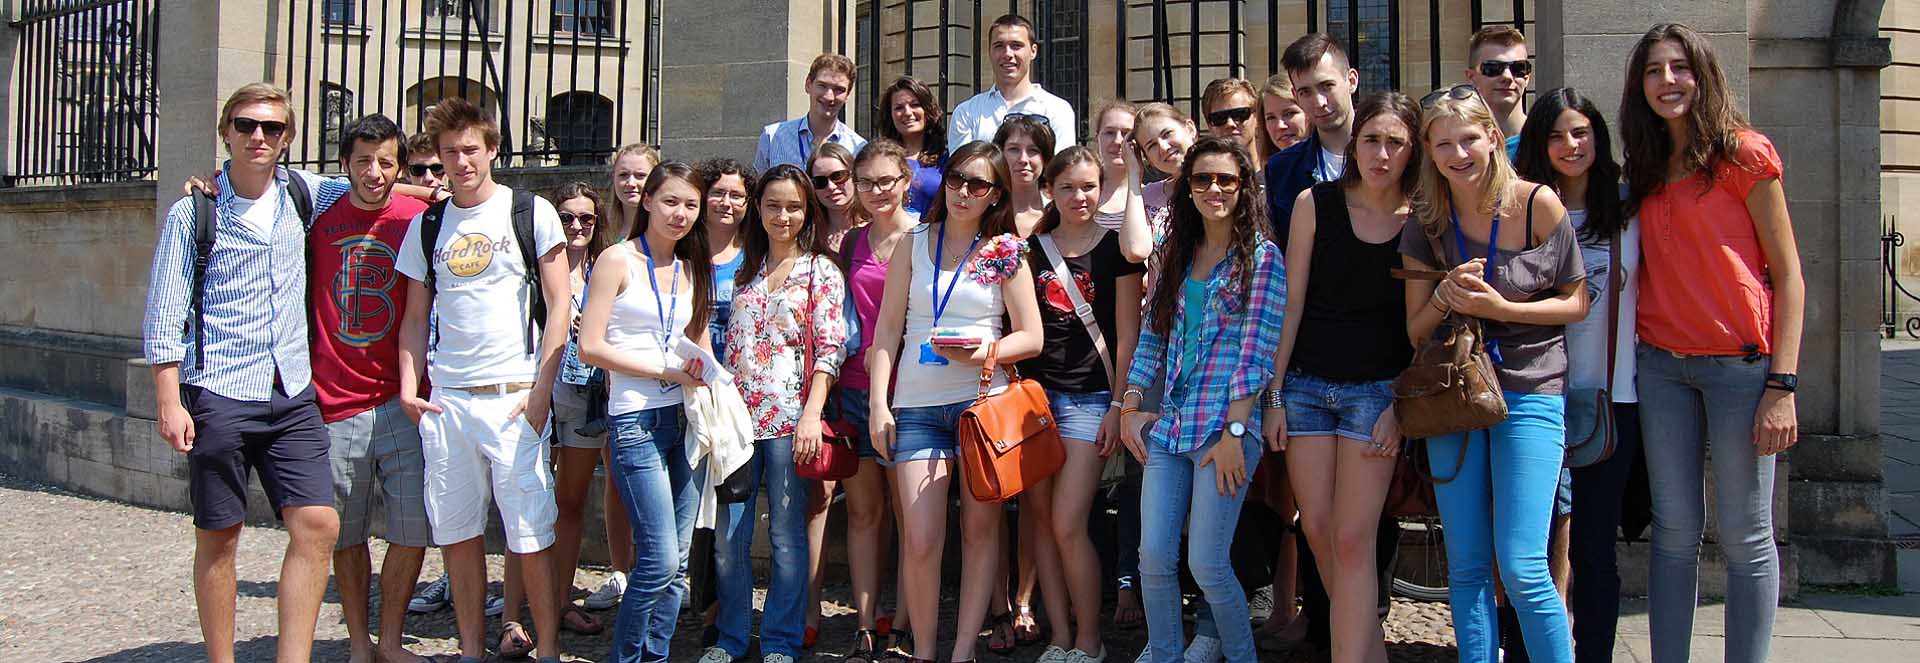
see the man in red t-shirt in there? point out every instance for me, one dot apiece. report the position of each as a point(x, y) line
point(356, 311)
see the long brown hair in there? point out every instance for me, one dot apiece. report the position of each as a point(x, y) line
point(604, 234)
point(693, 247)
point(933, 142)
point(1397, 106)
point(1067, 158)
point(756, 243)
point(1186, 230)
point(1713, 123)
point(881, 150)
point(618, 210)
point(998, 218)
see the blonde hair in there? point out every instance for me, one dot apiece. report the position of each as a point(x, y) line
point(641, 150)
point(1109, 105)
point(255, 93)
point(1279, 85)
point(1432, 201)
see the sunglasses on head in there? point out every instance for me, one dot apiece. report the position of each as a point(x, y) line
point(974, 186)
point(420, 169)
point(835, 177)
point(1036, 117)
point(1457, 92)
point(881, 184)
point(1235, 115)
point(272, 128)
point(1520, 68)
point(1201, 182)
point(585, 218)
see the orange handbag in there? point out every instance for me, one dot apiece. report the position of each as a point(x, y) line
point(1008, 441)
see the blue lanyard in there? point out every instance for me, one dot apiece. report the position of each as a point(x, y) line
point(666, 314)
point(939, 250)
point(1493, 254)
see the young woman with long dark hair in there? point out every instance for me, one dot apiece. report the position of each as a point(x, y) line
point(647, 294)
point(1027, 144)
point(1720, 314)
point(1212, 325)
point(917, 124)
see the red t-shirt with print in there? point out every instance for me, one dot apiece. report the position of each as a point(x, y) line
point(357, 300)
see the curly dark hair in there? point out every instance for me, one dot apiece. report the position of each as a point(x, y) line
point(1186, 230)
point(933, 142)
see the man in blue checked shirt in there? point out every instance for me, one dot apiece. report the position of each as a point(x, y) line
point(829, 81)
point(233, 384)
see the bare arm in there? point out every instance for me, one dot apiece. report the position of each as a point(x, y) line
point(1136, 237)
point(1767, 203)
point(413, 350)
point(609, 280)
point(1023, 310)
point(1424, 311)
point(555, 285)
point(1300, 233)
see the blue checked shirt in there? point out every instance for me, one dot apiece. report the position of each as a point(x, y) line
point(791, 142)
point(255, 302)
point(1235, 355)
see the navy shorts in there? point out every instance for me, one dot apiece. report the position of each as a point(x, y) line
point(283, 439)
point(854, 410)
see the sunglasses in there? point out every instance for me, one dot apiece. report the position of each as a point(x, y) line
point(881, 184)
point(974, 186)
point(1036, 117)
point(1234, 115)
point(272, 128)
point(585, 219)
point(1458, 92)
point(1201, 182)
point(835, 177)
point(420, 169)
point(1520, 68)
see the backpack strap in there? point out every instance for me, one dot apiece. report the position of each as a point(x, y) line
point(529, 253)
point(430, 240)
point(302, 199)
point(205, 218)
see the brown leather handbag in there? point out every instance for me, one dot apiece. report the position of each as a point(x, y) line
point(1451, 386)
point(1009, 440)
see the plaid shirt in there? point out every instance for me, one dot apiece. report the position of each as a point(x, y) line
point(1235, 358)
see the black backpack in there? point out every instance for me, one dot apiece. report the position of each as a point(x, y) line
point(522, 236)
point(204, 223)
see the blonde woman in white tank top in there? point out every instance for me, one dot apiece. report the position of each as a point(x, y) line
point(646, 294)
point(967, 255)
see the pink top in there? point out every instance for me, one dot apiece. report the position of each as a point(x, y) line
point(867, 276)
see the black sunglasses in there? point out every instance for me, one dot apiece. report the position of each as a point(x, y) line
point(585, 219)
point(835, 177)
point(272, 128)
point(420, 169)
point(974, 186)
point(1235, 115)
point(1036, 117)
point(1520, 68)
point(1461, 91)
point(1201, 182)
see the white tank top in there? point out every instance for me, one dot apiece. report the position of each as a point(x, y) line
point(635, 328)
point(974, 309)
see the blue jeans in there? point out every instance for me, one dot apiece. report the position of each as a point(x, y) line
point(661, 494)
point(1185, 493)
point(1688, 404)
point(784, 616)
point(1500, 506)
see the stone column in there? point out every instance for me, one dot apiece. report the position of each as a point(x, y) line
point(190, 96)
point(715, 99)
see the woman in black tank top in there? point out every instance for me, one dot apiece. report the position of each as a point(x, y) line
point(1344, 340)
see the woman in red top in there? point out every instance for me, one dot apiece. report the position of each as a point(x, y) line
point(1720, 317)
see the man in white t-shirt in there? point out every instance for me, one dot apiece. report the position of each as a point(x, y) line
point(1011, 49)
point(484, 430)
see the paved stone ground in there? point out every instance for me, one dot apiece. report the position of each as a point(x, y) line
point(84, 579)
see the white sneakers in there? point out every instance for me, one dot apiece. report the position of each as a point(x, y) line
point(1205, 649)
point(609, 593)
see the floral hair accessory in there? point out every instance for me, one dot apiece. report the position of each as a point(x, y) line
point(998, 259)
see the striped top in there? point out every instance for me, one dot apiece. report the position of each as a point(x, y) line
point(255, 302)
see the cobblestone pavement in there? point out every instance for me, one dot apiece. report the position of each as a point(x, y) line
point(84, 579)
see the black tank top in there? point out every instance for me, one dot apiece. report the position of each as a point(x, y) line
point(1354, 327)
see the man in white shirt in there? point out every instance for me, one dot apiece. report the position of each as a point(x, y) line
point(485, 429)
point(1011, 49)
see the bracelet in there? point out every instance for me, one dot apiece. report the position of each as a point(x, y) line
point(1124, 411)
point(1132, 392)
point(1116, 404)
point(1435, 303)
point(1273, 399)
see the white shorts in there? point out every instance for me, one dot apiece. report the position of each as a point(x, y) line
point(473, 449)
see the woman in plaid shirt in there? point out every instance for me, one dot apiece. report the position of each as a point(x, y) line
point(1205, 349)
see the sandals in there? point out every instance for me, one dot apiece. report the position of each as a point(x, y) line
point(900, 648)
point(580, 621)
point(514, 642)
point(1026, 629)
point(864, 641)
point(997, 643)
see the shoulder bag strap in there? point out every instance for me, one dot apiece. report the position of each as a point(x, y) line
point(1615, 282)
point(1080, 307)
point(806, 337)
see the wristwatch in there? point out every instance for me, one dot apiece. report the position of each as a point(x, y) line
point(1786, 382)
point(1236, 429)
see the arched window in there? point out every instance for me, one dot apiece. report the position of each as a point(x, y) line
point(580, 127)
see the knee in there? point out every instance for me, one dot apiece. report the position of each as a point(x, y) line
point(1212, 571)
point(1159, 558)
point(922, 543)
point(980, 526)
point(865, 515)
point(1069, 533)
point(1353, 542)
point(312, 525)
point(1523, 572)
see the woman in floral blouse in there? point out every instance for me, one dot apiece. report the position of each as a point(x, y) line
point(785, 345)
point(1212, 325)
point(958, 276)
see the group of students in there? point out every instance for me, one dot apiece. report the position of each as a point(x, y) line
point(1192, 304)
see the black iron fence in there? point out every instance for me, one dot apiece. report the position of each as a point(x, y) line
point(568, 80)
point(82, 94)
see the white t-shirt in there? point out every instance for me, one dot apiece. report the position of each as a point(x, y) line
point(1587, 339)
point(1330, 165)
point(481, 295)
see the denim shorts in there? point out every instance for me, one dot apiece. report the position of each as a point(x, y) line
point(1320, 407)
point(1079, 415)
point(927, 433)
point(854, 409)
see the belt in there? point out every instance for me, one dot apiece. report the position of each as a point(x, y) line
point(501, 389)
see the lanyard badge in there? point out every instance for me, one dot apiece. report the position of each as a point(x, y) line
point(927, 356)
point(1493, 255)
point(666, 313)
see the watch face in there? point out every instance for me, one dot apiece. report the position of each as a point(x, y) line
point(1237, 429)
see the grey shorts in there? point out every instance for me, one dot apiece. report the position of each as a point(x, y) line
point(569, 414)
point(378, 451)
